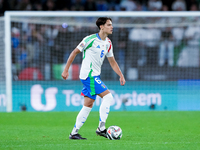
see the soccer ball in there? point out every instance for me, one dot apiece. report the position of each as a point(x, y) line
point(114, 133)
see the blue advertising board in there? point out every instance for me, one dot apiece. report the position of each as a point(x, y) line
point(189, 95)
point(134, 96)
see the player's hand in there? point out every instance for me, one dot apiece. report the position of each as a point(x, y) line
point(122, 80)
point(65, 75)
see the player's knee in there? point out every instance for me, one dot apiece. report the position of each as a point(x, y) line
point(88, 105)
point(88, 102)
point(108, 97)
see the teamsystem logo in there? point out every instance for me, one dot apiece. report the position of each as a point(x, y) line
point(73, 99)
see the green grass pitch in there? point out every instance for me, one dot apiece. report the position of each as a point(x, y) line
point(148, 130)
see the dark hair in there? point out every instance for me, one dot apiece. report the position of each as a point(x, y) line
point(101, 21)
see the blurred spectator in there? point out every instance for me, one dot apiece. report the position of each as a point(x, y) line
point(192, 34)
point(37, 6)
point(24, 5)
point(15, 44)
point(152, 37)
point(90, 5)
point(165, 8)
point(62, 38)
point(166, 51)
point(193, 7)
point(179, 43)
point(34, 34)
point(49, 5)
point(128, 5)
point(13, 4)
point(155, 5)
point(77, 5)
point(102, 5)
point(57, 52)
point(192, 3)
point(15, 37)
point(178, 33)
point(168, 4)
point(179, 5)
point(51, 33)
point(114, 5)
point(137, 38)
point(141, 7)
point(23, 57)
point(121, 46)
point(189, 56)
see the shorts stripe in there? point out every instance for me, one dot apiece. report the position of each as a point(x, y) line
point(92, 86)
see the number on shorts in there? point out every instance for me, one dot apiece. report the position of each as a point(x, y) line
point(97, 80)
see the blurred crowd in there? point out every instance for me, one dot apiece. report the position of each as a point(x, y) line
point(45, 46)
point(99, 5)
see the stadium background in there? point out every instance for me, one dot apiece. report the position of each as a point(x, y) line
point(160, 63)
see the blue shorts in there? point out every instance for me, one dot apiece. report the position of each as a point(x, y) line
point(93, 86)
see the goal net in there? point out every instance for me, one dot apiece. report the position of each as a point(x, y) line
point(158, 54)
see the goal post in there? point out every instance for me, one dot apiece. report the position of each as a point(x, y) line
point(44, 40)
point(2, 67)
point(8, 62)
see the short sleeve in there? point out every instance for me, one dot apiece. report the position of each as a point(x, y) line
point(81, 46)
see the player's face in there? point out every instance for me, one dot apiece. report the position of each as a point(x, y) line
point(107, 27)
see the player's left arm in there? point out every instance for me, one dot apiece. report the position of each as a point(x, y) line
point(116, 68)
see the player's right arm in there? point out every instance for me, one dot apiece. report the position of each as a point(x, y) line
point(73, 54)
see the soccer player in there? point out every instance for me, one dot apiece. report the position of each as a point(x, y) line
point(94, 47)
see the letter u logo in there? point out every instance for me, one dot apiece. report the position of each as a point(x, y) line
point(50, 96)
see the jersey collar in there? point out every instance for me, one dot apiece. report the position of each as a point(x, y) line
point(98, 36)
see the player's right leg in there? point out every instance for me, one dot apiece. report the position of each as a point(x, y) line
point(81, 118)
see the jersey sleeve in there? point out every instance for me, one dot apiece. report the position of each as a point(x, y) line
point(110, 49)
point(82, 45)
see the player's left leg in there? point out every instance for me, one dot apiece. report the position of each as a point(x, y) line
point(103, 112)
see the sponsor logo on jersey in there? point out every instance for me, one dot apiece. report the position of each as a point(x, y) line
point(98, 46)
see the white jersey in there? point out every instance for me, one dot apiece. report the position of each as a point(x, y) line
point(94, 51)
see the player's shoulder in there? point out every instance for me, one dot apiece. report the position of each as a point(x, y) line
point(109, 40)
point(90, 37)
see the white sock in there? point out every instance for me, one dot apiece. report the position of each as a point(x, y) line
point(104, 110)
point(80, 119)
